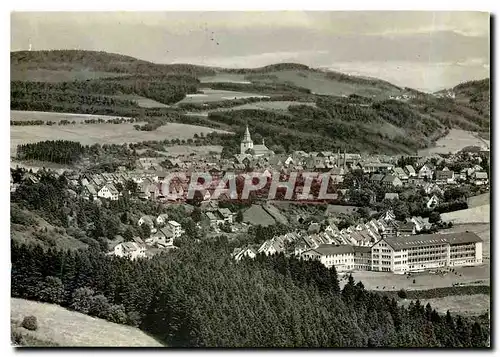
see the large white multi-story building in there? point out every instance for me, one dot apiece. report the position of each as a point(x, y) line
point(401, 254)
point(427, 251)
point(343, 257)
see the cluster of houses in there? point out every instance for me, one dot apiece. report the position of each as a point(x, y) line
point(379, 245)
point(407, 176)
point(402, 97)
point(163, 232)
point(151, 172)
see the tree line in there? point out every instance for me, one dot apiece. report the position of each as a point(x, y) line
point(197, 296)
point(58, 151)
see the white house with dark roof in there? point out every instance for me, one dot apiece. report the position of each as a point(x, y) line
point(131, 250)
point(480, 178)
point(108, 191)
point(426, 171)
point(410, 171)
point(247, 252)
point(162, 219)
point(175, 227)
point(400, 173)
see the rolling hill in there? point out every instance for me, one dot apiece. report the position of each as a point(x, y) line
point(61, 327)
point(356, 113)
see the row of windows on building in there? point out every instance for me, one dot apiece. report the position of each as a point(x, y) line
point(454, 256)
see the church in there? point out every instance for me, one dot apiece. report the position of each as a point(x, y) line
point(247, 146)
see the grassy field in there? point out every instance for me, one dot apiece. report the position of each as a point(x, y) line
point(71, 329)
point(47, 75)
point(477, 275)
point(476, 304)
point(479, 200)
point(21, 115)
point(89, 134)
point(318, 83)
point(215, 95)
point(273, 105)
point(455, 141)
point(478, 214)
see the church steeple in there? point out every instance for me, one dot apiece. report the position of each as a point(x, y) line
point(246, 137)
point(247, 142)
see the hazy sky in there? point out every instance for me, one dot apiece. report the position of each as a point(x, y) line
point(423, 50)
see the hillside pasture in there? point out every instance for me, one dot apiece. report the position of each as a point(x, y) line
point(476, 304)
point(216, 95)
point(48, 75)
point(478, 214)
point(89, 134)
point(455, 141)
point(281, 105)
point(65, 328)
point(265, 105)
point(479, 200)
point(21, 115)
point(319, 83)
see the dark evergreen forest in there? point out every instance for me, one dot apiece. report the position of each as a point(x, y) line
point(198, 296)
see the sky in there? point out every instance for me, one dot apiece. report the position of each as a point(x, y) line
point(424, 50)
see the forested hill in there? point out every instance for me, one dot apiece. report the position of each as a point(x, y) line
point(476, 94)
point(356, 113)
point(98, 61)
point(197, 296)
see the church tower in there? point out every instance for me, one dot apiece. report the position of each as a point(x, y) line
point(247, 142)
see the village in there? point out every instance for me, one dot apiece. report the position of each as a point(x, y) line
point(377, 240)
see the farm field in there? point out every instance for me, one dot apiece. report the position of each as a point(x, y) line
point(272, 105)
point(72, 329)
point(215, 95)
point(455, 141)
point(476, 304)
point(21, 115)
point(318, 83)
point(264, 105)
point(479, 200)
point(89, 134)
point(47, 75)
point(478, 214)
point(225, 78)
